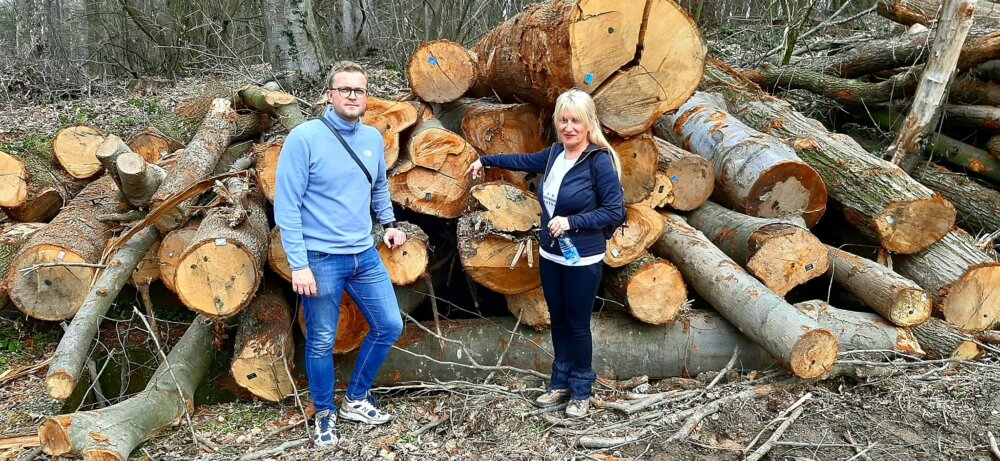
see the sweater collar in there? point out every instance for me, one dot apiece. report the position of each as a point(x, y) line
point(342, 125)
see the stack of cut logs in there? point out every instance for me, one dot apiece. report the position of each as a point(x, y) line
point(187, 202)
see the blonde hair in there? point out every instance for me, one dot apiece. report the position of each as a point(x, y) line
point(343, 66)
point(582, 106)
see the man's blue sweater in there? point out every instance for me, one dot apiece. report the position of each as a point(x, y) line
point(322, 200)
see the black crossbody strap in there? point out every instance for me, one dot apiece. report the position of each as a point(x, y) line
point(349, 150)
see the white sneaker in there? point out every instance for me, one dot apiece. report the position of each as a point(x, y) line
point(552, 397)
point(577, 408)
point(363, 411)
point(325, 430)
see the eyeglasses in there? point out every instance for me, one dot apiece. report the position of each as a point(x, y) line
point(346, 92)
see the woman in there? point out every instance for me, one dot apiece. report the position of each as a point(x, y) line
point(581, 195)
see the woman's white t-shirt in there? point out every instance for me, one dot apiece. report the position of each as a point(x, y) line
point(553, 181)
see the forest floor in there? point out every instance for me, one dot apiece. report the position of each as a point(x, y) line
point(928, 411)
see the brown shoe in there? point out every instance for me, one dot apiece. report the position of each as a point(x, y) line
point(552, 397)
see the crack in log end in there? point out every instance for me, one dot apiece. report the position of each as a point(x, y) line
point(814, 354)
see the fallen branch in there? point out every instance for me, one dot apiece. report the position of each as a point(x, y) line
point(274, 451)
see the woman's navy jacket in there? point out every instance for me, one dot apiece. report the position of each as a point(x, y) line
point(590, 209)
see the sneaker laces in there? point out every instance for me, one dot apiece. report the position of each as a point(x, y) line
point(323, 421)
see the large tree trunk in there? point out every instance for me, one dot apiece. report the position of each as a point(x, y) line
point(623, 348)
point(71, 354)
point(630, 242)
point(956, 20)
point(683, 180)
point(441, 71)
point(861, 331)
point(219, 272)
point(197, 163)
point(651, 289)
point(639, 156)
point(75, 148)
point(282, 106)
point(782, 255)
point(432, 179)
point(896, 298)
point(12, 237)
point(792, 338)
point(112, 433)
point(971, 91)
point(498, 261)
point(33, 187)
point(613, 53)
point(963, 278)
point(909, 12)
point(978, 206)
point(982, 118)
point(55, 290)
point(264, 346)
point(757, 173)
point(878, 197)
point(390, 118)
point(293, 41)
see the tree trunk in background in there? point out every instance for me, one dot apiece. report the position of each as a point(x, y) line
point(293, 43)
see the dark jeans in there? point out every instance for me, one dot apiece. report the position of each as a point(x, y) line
point(569, 293)
point(365, 278)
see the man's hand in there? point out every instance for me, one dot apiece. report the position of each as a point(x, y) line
point(558, 225)
point(394, 238)
point(476, 169)
point(304, 283)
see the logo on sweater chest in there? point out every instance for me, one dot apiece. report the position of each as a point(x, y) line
point(367, 153)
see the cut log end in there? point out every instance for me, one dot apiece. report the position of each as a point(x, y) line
point(507, 208)
point(52, 292)
point(273, 385)
point(691, 182)
point(441, 71)
point(13, 181)
point(911, 226)
point(169, 254)
point(42, 209)
point(910, 307)
point(54, 439)
point(390, 118)
point(60, 385)
point(786, 257)
point(967, 350)
point(152, 146)
point(406, 263)
point(500, 264)
point(814, 354)
point(530, 308)
point(277, 260)
point(76, 147)
point(973, 302)
point(200, 283)
point(657, 294)
point(267, 167)
point(629, 243)
point(799, 192)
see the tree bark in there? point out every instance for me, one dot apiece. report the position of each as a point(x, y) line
point(75, 236)
point(683, 181)
point(861, 331)
point(895, 297)
point(282, 106)
point(780, 254)
point(12, 237)
point(962, 278)
point(630, 242)
point(978, 206)
point(623, 348)
point(107, 154)
point(33, 187)
point(942, 340)
point(878, 197)
point(71, 354)
point(651, 289)
point(616, 55)
point(909, 12)
point(171, 248)
point(293, 41)
point(993, 146)
point(264, 346)
point(503, 263)
point(75, 149)
point(983, 119)
point(758, 174)
point(197, 163)
point(432, 180)
point(956, 20)
point(441, 71)
point(138, 179)
point(971, 91)
point(175, 129)
point(639, 156)
point(792, 338)
point(112, 433)
point(507, 208)
point(390, 118)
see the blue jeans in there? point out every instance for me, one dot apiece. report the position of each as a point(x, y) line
point(569, 293)
point(366, 280)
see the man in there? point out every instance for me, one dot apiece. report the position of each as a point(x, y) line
point(323, 204)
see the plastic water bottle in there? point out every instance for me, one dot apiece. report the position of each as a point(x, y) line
point(568, 249)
